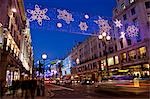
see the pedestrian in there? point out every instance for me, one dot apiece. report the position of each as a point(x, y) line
point(1, 89)
point(33, 84)
point(38, 88)
point(43, 87)
point(13, 88)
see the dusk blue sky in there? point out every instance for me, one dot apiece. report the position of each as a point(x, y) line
point(53, 42)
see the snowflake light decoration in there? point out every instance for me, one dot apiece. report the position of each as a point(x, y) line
point(103, 25)
point(118, 23)
point(83, 26)
point(38, 14)
point(122, 34)
point(132, 31)
point(64, 15)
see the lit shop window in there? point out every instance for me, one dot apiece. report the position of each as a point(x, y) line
point(16, 75)
point(116, 60)
point(132, 55)
point(110, 61)
point(124, 57)
point(142, 52)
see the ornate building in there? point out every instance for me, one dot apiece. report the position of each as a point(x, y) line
point(15, 57)
point(129, 52)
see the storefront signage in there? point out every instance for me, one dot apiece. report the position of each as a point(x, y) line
point(123, 70)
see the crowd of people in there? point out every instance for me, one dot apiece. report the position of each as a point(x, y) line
point(26, 88)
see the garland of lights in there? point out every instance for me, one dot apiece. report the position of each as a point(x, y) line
point(84, 25)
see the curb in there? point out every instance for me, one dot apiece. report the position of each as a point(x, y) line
point(51, 94)
point(118, 92)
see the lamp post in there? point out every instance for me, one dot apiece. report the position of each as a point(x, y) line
point(104, 38)
point(44, 57)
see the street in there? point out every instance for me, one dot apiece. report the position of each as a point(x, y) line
point(88, 92)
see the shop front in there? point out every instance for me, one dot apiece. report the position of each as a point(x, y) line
point(142, 70)
point(12, 73)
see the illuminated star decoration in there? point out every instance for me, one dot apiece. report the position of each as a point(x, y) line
point(132, 31)
point(38, 14)
point(83, 26)
point(122, 34)
point(64, 15)
point(103, 25)
point(118, 23)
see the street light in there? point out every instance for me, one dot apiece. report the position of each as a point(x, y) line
point(44, 57)
point(104, 37)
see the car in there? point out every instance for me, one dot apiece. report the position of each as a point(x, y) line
point(86, 82)
point(122, 77)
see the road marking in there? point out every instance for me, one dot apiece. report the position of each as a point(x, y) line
point(70, 89)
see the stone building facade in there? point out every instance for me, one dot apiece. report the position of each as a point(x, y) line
point(124, 53)
point(12, 34)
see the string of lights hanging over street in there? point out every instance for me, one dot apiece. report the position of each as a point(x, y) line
point(68, 22)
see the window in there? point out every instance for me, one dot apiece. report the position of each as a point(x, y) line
point(94, 65)
point(111, 49)
point(100, 54)
point(129, 41)
point(125, 17)
point(124, 57)
point(132, 55)
point(123, 6)
point(116, 60)
point(148, 14)
point(99, 45)
point(110, 61)
point(121, 43)
point(133, 11)
point(104, 52)
point(142, 52)
point(135, 21)
point(147, 4)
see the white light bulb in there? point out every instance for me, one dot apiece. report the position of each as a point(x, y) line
point(87, 16)
point(59, 25)
point(108, 38)
point(100, 37)
point(44, 56)
point(104, 34)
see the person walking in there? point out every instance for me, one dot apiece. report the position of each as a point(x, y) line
point(13, 88)
point(33, 84)
point(1, 89)
point(43, 87)
point(38, 88)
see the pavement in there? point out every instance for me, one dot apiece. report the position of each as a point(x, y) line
point(82, 92)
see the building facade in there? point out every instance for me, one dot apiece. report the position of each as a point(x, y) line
point(66, 68)
point(13, 26)
point(123, 53)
